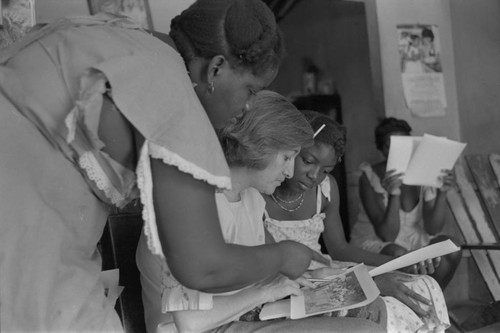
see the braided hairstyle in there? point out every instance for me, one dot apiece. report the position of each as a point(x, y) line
point(244, 31)
point(388, 126)
point(272, 124)
point(333, 134)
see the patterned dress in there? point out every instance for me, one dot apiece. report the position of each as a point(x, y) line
point(400, 318)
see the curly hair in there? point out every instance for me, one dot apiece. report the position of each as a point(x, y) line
point(333, 134)
point(271, 125)
point(244, 31)
point(386, 127)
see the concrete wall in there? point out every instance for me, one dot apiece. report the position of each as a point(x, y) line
point(476, 38)
point(390, 13)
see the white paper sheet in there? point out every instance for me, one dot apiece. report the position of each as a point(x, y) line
point(422, 159)
point(411, 258)
point(401, 151)
point(432, 155)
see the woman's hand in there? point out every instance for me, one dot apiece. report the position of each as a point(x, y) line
point(392, 182)
point(449, 180)
point(392, 284)
point(278, 288)
point(428, 266)
point(306, 280)
point(297, 258)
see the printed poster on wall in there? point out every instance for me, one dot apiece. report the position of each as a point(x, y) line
point(421, 69)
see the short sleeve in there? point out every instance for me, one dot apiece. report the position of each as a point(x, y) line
point(148, 83)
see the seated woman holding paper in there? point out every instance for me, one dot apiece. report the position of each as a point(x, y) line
point(395, 218)
point(260, 147)
point(307, 204)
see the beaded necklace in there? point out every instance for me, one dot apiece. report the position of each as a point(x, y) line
point(291, 201)
point(276, 198)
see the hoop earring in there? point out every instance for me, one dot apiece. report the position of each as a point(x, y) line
point(211, 88)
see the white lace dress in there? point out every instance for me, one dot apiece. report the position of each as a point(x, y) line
point(241, 223)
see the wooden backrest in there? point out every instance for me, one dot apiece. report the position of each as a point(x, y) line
point(476, 208)
point(118, 247)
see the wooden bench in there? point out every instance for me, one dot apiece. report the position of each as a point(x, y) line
point(475, 206)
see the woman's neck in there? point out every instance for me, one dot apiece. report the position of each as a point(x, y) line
point(239, 181)
point(286, 193)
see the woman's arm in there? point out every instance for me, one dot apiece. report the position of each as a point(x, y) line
point(333, 235)
point(434, 211)
point(385, 220)
point(229, 308)
point(193, 244)
point(188, 222)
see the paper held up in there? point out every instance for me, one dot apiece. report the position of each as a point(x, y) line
point(428, 252)
point(422, 159)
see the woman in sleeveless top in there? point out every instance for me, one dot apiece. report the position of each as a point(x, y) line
point(395, 218)
point(307, 205)
point(260, 147)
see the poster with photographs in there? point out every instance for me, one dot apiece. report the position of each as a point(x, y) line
point(137, 10)
point(17, 18)
point(420, 62)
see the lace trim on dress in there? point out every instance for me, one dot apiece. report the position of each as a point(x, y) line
point(88, 162)
point(85, 143)
point(171, 158)
point(145, 184)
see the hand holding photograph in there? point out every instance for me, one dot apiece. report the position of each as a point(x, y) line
point(351, 289)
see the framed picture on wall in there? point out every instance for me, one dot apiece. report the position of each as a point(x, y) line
point(137, 10)
point(16, 19)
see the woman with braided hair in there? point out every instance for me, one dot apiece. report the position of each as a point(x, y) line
point(93, 112)
point(260, 147)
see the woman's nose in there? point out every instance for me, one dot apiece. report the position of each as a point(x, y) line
point(288, 171)
point(313, 173)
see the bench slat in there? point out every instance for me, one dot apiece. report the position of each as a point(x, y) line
point(474, 207)
point(495, 166)
point(466, 207)
point(470, 235)
point(483, 176)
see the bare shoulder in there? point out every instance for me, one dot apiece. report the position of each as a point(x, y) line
point(118, 135)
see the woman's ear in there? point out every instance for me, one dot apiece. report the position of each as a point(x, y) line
point(216, 67)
